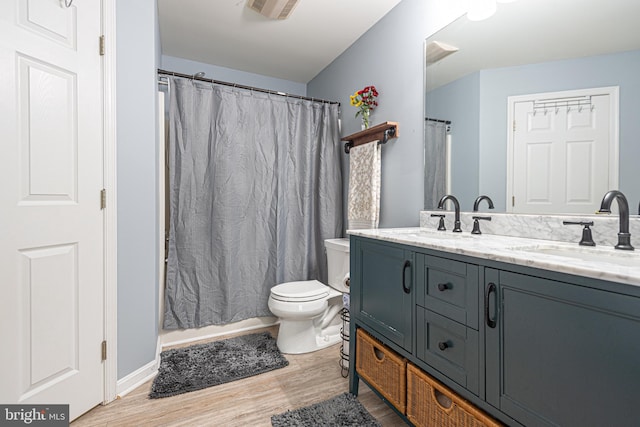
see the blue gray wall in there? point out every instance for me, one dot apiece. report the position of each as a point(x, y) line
point(389, 56)
point(137, 52)
point(186, 66)
point(489, 102)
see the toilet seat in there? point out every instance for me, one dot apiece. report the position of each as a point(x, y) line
point(301, 291)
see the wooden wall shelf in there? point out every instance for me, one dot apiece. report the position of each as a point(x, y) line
point(381, 133)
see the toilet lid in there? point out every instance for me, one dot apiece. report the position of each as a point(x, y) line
point(300, 291)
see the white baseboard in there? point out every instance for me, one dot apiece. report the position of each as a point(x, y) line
point(140, 376)
point(185, 336)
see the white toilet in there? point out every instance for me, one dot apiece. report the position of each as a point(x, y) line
point(309, 311)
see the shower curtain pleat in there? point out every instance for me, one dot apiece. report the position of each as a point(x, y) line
point(255, 188)
point(435, 163)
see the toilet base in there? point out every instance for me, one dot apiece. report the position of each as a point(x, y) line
point(302, 336)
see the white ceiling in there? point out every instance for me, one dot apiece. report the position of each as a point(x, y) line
point(228, 34)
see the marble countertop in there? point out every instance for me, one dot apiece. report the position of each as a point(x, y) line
point(598, 262)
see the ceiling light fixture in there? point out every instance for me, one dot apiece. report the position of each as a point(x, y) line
point(274, 9)
point(481, 9)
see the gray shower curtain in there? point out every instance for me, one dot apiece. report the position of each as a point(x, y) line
point(255, 188)
point(435, 163)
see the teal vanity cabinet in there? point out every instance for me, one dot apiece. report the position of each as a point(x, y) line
point(562, 352)
point(530, 347)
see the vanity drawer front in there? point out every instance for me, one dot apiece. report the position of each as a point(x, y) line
point(448, 346)
point(449, 288)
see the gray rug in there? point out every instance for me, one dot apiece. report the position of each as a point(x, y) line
point(342, 410)
point(205, 365)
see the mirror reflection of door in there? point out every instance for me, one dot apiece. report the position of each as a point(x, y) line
point(562, 151)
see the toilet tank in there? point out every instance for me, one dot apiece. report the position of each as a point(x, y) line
point(337, 263)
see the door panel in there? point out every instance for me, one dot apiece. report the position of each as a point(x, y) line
point(561, 155)
point(51, 224)
point(49, 287)
point(384, 273)
point(47, 107)
point(49, 20)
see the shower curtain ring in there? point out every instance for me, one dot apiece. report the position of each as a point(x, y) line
point(68, 3)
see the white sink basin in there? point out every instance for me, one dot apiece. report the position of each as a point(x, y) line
point(588, 254)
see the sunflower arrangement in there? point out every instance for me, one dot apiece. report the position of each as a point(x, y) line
point(365, 101)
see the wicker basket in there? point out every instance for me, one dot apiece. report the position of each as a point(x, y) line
point(430, 403)
point(382, 368)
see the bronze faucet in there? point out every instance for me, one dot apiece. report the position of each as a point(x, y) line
point(624, 237)
point(456, 205)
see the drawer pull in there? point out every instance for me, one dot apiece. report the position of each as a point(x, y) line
point(487, 317)
point(442, 400)
point(379, 354)
point(443, 345)
point(443, 287)
point(405, 288)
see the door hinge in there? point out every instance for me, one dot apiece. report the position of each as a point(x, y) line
point(513, 200)
point(103, 199)
point(101, 45)
point(104, 350)
point(514, 125)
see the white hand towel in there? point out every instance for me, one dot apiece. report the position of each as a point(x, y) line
point(363, 210)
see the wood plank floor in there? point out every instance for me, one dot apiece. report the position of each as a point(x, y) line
point(309, 378)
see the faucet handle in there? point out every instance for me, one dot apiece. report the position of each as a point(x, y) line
point(587, 239)
point(476, 224)
point(441, 226)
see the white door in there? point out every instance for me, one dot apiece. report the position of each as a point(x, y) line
point(51, 223)
point(561, 155)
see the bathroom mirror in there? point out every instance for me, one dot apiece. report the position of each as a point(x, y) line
point(531, 47)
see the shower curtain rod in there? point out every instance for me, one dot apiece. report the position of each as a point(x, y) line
point(256, 89)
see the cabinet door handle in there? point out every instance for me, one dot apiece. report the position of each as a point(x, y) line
point(406, 265)
point(443, 287)
point(490, 322)
point(443, 345)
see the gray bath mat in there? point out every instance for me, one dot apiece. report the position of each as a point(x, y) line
point(205, 365)
point(342, 410)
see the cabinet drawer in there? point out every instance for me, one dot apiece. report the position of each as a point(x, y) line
point(449, 288)
point(430, 403)
point(382, 368)
point(448, 346)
